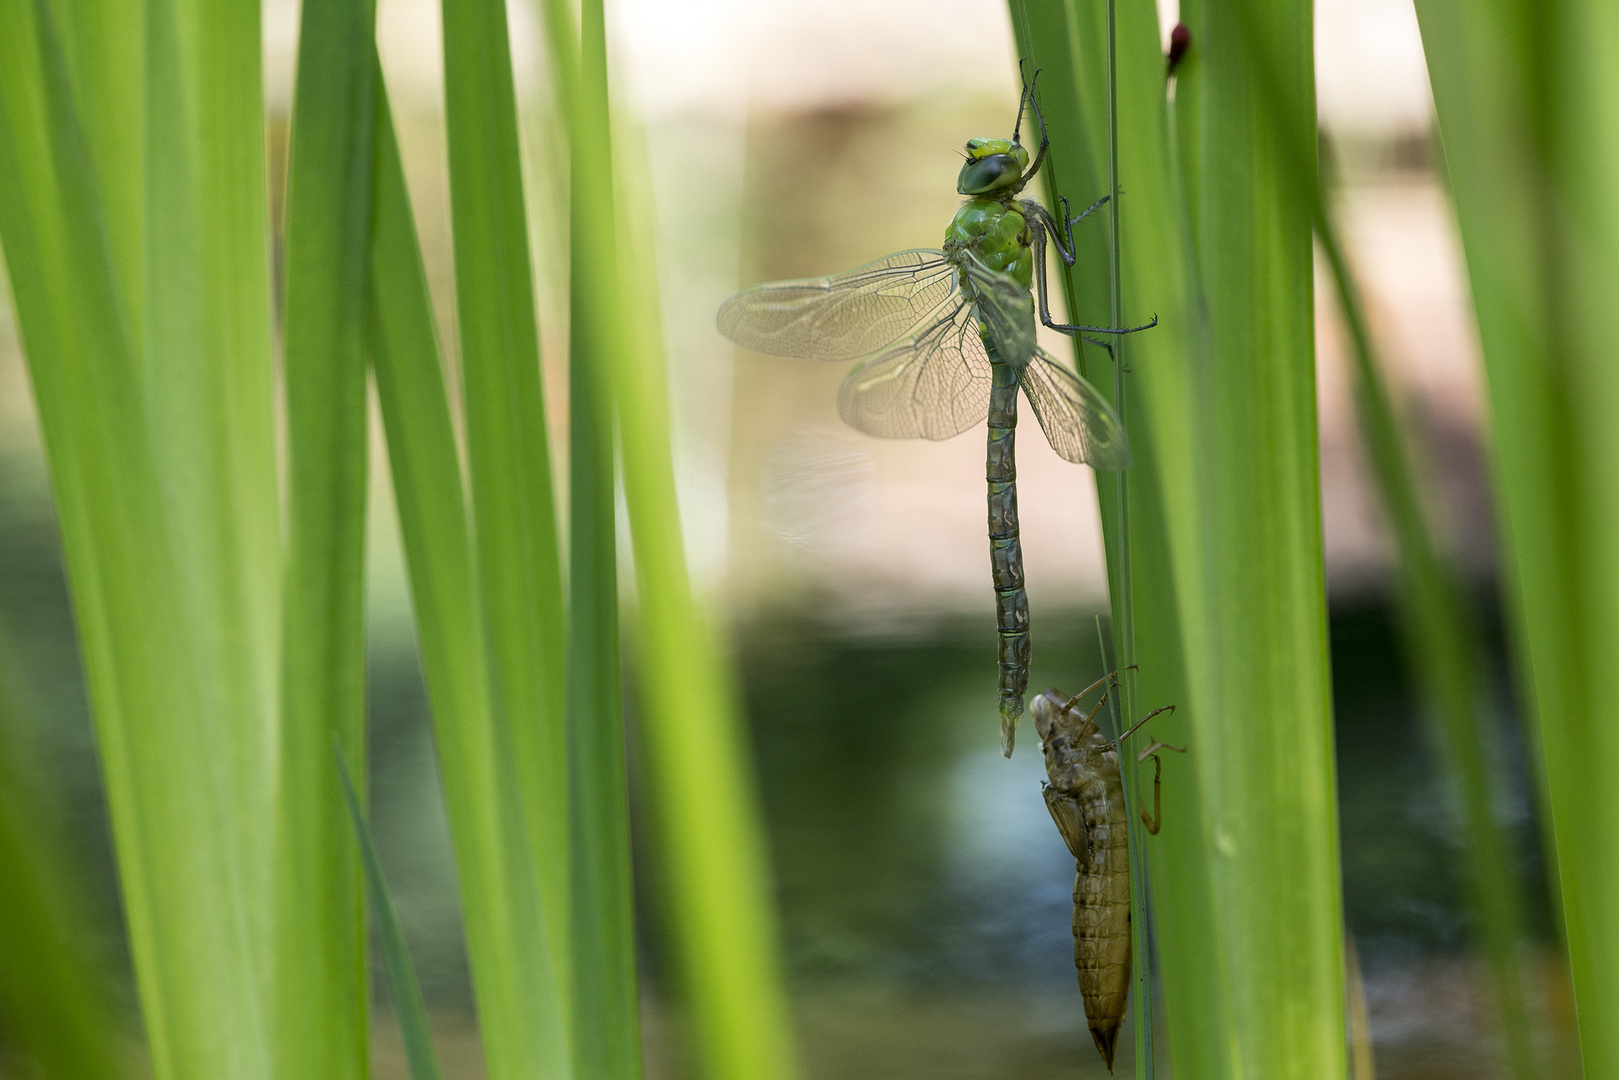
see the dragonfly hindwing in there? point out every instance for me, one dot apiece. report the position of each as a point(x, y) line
point(932, 385)
point(1078, 421)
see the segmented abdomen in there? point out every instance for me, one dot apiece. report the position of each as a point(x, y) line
point(1005, 551)
point(1102, 905)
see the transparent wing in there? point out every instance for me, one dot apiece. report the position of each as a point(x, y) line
point(1078, 421)
point(932, 385)
point(1006, 308)
point(844, 316)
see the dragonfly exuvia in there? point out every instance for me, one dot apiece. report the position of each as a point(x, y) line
point(946, 338)
point(1085, 796)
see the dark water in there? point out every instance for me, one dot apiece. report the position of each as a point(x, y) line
point(925, 894)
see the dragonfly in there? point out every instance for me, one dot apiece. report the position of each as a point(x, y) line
point(1085, 796)
point(946, 338)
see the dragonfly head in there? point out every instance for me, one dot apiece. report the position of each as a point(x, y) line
point(1065, 735)
point(1048, 710)
point(993, 165)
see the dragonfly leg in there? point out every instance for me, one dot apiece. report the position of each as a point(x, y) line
point(1023, 96)
point(1089, 725)
point(1039, 252)
point(1044, 225)
point(1155, 820)
point(1069, 328)
point(1059, 230)
point(1042, 289)
point(1027, 98)
point(1155, 746)
point(1085, 213)
point(1136, 726)
point(1039, 118)
point(1062, 228)
point(1110, 677)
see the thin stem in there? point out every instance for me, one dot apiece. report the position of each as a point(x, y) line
point(1124, 600)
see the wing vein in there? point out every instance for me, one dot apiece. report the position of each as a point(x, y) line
point(845, 316)
point(1078, 421)
point(931, 385)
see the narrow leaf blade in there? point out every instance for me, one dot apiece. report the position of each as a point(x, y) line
point(402, 984)
point(320, 993)
point(515, 976)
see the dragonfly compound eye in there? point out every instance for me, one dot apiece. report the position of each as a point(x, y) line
point(988, 174)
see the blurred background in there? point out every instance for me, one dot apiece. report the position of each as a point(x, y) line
point(925, 893)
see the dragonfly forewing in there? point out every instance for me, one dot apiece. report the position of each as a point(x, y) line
point(845, 316)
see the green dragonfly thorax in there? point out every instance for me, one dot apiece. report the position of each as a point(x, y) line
point(994, 167)
point(996, 234)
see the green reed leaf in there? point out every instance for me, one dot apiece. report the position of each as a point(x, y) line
point(188, 815)
point(321, 986)
point(516, 976)
point(54, 1005)
point(402, 984)
point(514, 515)
point(606, 1019)
point(704, 805)
point(1225, 541)
point(1525, 96)
point(1064, 40)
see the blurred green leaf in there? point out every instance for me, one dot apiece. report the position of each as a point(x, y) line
point(187, 815)
point(1257, 656)
point(208, 384)
point(402, 985)
point(321, 992)
point(1528, 108)
point(515, 975)
point(514, 515)
point(55, 1010)
point(1439, 638)
point(104, 44)
point(606, 1016)
point(1445, 651)
point(709, 836)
